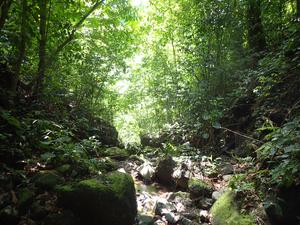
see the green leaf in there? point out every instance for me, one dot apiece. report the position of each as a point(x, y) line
point(205, 135)
point(47, 156)
point(11, 120)
point(217, 125)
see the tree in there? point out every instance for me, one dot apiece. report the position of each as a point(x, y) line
point(5, 6)
point(22, 47)
point(43, 11)
point(257, 41)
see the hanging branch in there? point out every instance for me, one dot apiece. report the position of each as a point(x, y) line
point(75, 28)
point(40, 78)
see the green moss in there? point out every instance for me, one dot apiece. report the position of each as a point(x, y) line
point(107, 164)
point(47, 180)
point(64, 188)
point(109, 199)
point(120, 180)
point(116, 153)
point(225, 212)
point(93, 184)
point(199, 188)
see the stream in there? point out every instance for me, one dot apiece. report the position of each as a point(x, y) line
point(179, 203)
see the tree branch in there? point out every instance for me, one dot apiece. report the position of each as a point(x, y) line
point(75, 28)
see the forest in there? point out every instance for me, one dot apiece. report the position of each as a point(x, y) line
point(149, 112)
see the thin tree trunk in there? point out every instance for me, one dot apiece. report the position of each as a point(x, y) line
point(22, 48)
point(75, 28)
point(43, 65)
point(298, 8)
point(42, 48)
point(256, 38)
point(5, 5)
point(257, 41)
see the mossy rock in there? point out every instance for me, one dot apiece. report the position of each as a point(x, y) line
point(107, 165)
point(108, 200)
point(47, 180)
point(225, 212)
point(116, 153)
point(64, 218)
point(164, 171)
point(199, 188)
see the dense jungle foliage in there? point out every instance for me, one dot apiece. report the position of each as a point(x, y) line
point(86, 82)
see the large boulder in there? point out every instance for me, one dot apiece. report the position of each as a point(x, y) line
point(47, 180)
point(226, 212)
point(108, 200)
point(164, 171)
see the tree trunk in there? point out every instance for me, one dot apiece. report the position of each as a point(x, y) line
point(22, 48)
point(256, 37)
point(42, 48)
point(298, 8)
point(5, 5)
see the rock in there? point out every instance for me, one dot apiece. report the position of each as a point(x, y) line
point(64, 218)
point(199, 188)
point(47, 180)
point(164, 171)
point(216, 195)
point(135, 158)
point(146, 171)
point(79, 170)
point(227, 169)
point(162, 207)
point(179, 194)
point(25, 198)
point(9, 216)
point(205, 203)
point(116, 153)
point(227, 177)
point(172, 217)
point(145, 220)
point(274, 212)
point(108, 200)
point(225, 212)
point(181, 177)
point(204, 216)
point(185, 221)
point(191, 215)
point(159, 222)
point(107, 164)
